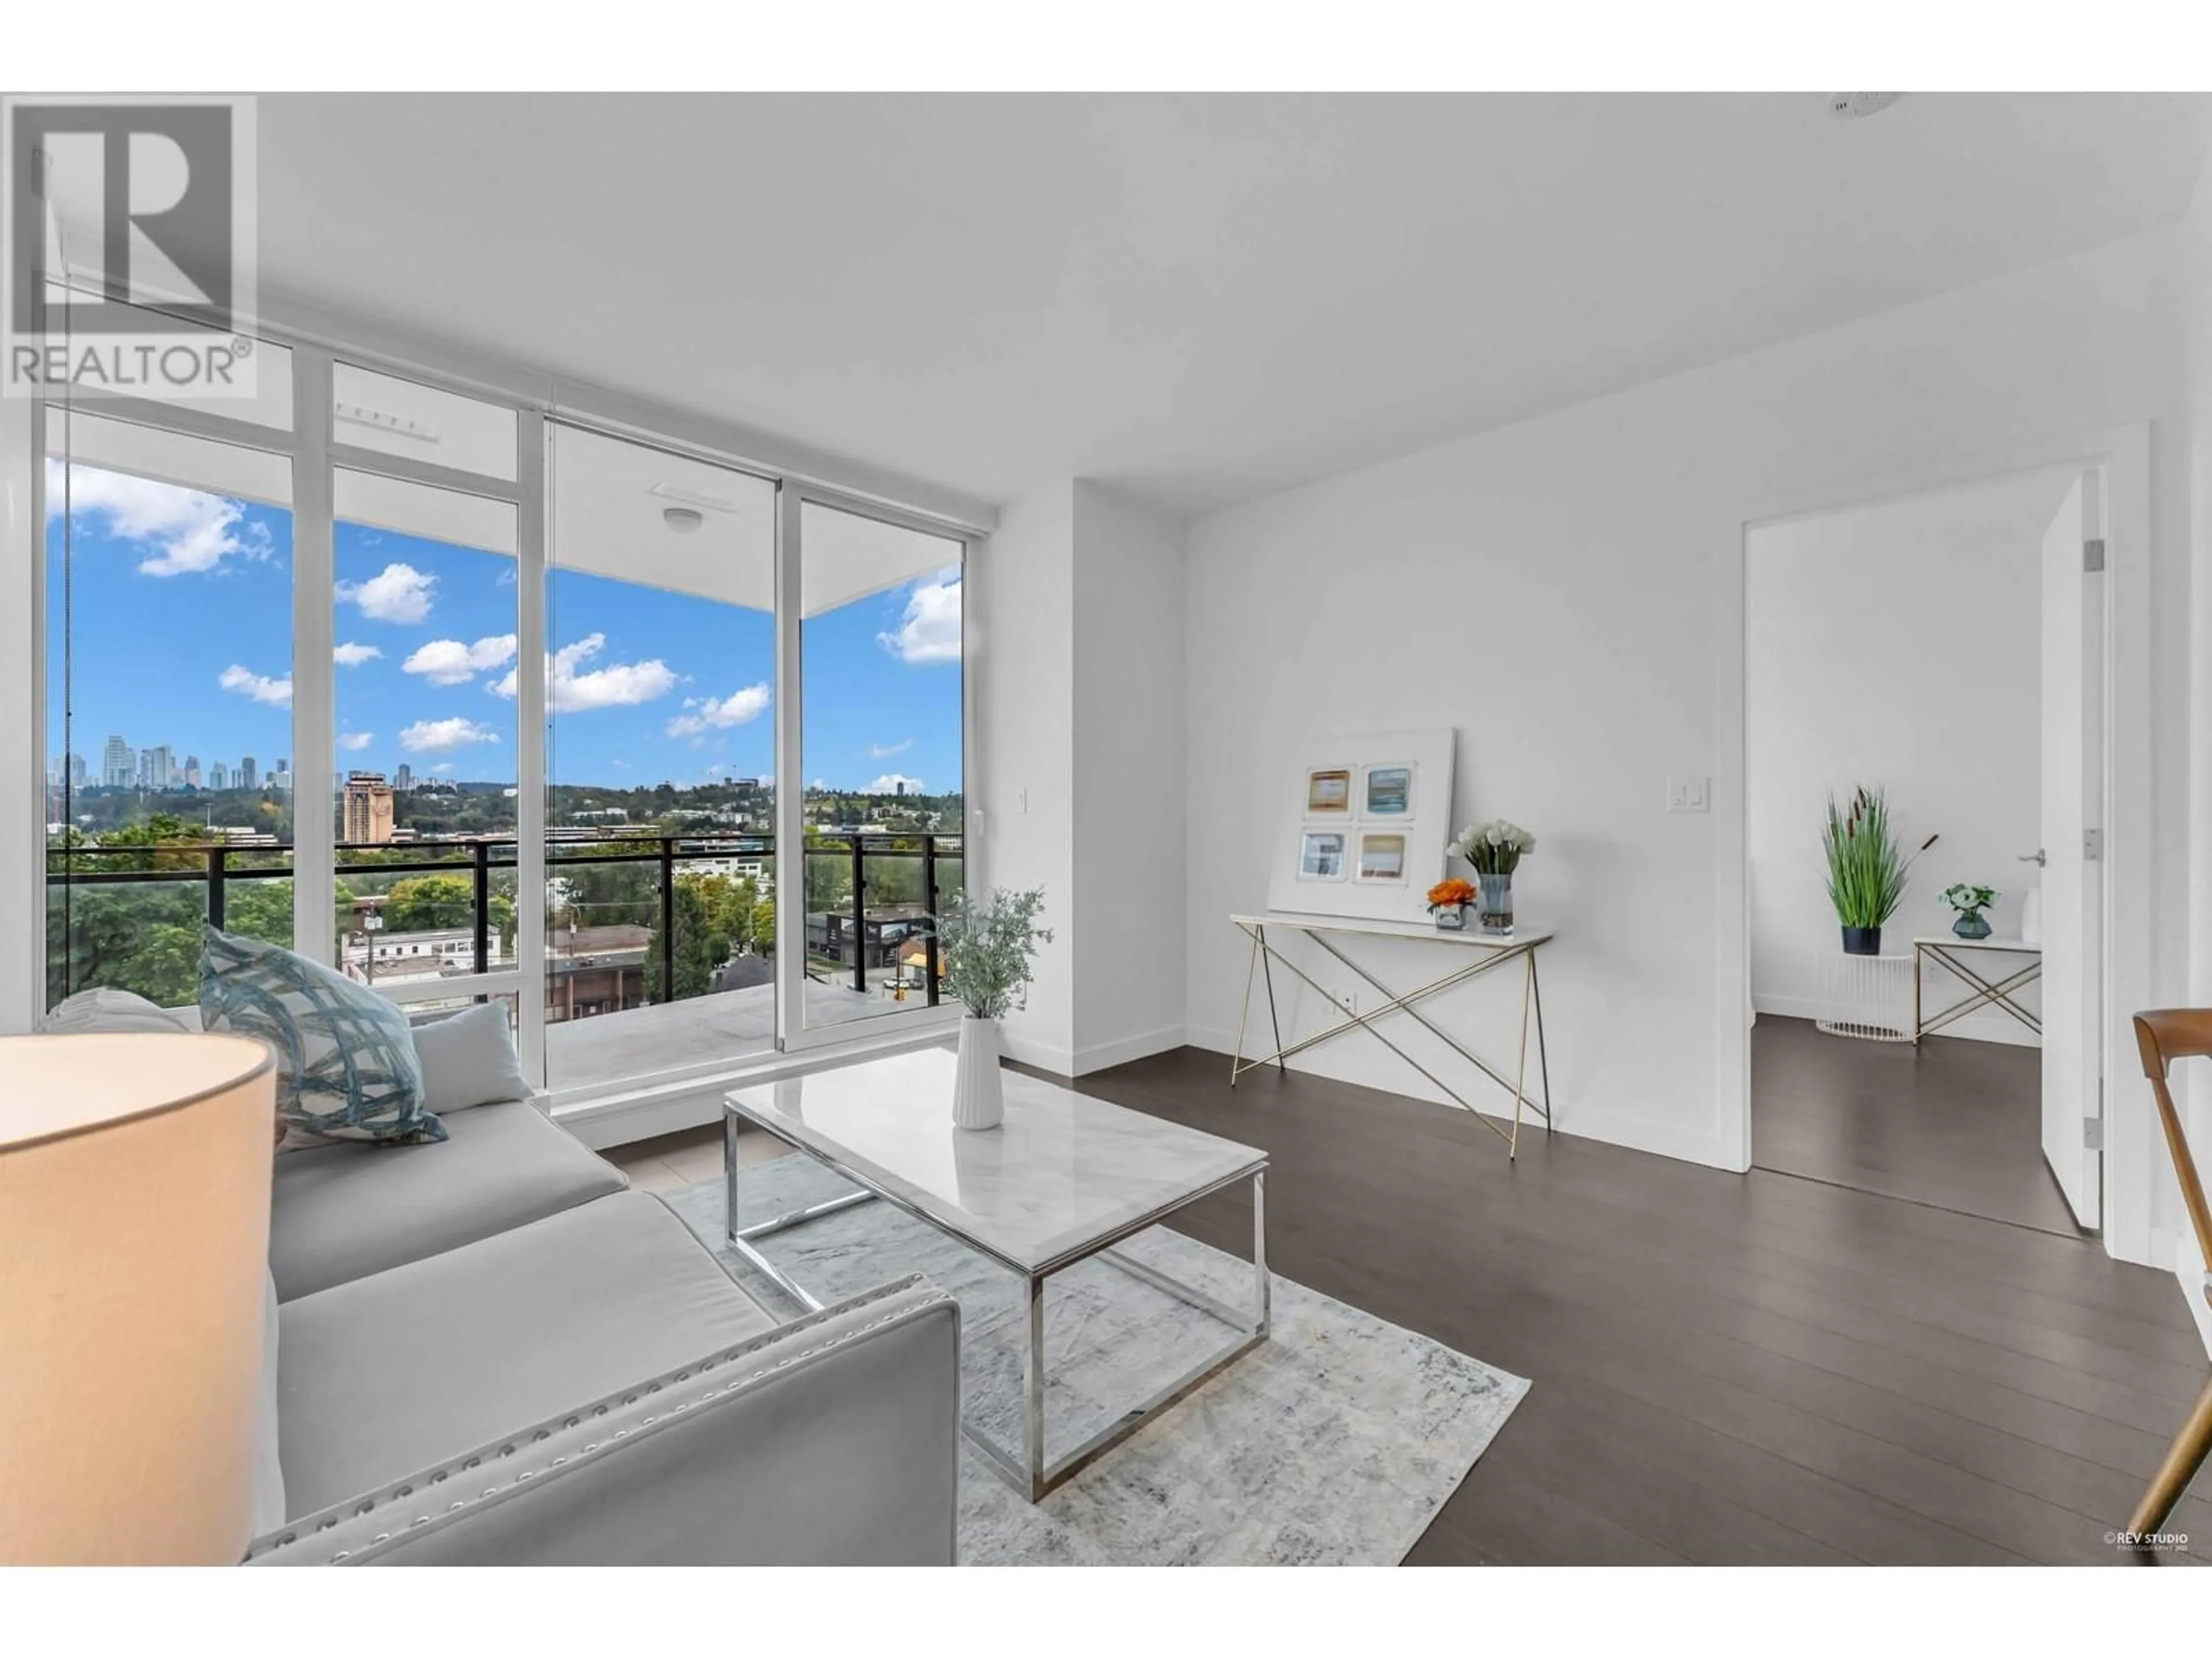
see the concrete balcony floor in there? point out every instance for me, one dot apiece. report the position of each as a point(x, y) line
point(629, 1047)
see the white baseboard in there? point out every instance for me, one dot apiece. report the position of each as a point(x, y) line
point(2179, 1251)
point(1981, 1026)
point(1045, 1057)
point(1591, 1122)
point(1100, 1055)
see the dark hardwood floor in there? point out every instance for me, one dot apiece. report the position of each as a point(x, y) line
point(1726, 1368)
point(1954, 1122)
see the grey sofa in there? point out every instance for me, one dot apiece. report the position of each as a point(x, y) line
point(490, 1351)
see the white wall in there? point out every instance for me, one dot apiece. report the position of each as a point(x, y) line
point(1129, 897)
point(2197, 309)
point(1081, 726)
point(1022, 618)
point(1898, 644)
point(1555, 590)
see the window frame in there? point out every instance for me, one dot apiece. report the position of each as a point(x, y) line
point(314, 450)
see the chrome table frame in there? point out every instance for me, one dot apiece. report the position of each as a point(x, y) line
point(1031, 1473)
point(1490, 953)
point(1987, 993)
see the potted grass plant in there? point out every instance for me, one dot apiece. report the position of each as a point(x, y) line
point(990, 957)
point(1867, 869)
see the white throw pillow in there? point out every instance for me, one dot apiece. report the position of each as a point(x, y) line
point(106, 1009)
point(468, 1059)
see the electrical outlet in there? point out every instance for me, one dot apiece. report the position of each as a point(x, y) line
point(1689, 794)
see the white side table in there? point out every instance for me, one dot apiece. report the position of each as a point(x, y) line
point(1870, 998)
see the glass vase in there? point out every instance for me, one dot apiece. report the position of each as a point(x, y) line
point(1494, 904)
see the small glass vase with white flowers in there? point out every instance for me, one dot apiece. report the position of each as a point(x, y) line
point(1495, 849)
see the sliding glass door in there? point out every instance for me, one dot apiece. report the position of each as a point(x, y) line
point(877, 815)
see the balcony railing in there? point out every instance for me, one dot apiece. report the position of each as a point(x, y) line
point(847, 938)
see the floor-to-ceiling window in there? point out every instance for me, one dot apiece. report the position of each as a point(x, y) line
point(240, 599)
point(881, 758)
point(425, 784)
point(661, 763)
point(169, 674)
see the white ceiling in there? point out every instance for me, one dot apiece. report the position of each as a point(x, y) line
point(1201, 298)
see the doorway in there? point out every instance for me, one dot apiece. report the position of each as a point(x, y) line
point(1929, 668)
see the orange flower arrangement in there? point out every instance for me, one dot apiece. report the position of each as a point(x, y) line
point(1449, 893)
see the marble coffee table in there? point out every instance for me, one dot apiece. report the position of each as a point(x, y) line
point(1063, 1179)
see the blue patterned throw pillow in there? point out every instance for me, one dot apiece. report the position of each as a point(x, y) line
point(346, 1067)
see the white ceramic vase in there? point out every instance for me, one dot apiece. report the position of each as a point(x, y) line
point(978, 1101)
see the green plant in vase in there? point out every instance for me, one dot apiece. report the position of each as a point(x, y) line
point(1867, 869)
point(1970, 902)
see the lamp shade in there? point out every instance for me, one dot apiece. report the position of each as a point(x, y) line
point(134, 1246)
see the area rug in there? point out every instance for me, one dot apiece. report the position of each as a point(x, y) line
point(1334, 1443)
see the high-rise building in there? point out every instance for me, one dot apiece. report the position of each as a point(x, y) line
point(403, 778)
point(247, 777)
point(157, 768)
point(280, 779)
point(79, 773)
point(218, 775)
point(191, 771)
point(365, 816)
point(119, 767)
point(282, 764)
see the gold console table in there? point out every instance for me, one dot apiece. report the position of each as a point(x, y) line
point(1480, 953)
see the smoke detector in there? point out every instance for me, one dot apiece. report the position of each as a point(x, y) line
point(1857, 106)
point(682, 519)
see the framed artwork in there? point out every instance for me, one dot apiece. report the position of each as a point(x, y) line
point(1328, 791)
point(1363, 822)
point(1383, 857)
point(1320, 855)
point(1387, 791)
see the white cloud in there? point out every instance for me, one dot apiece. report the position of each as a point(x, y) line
point(449, 662)
point(259, 687)
point(351, 656)
point(183, 531)
point(396, 593)
point(885, 750)
point(735, 710)
point(889, 785)
point(442, 737)
point(443, 766)
point(930, 630)
point(356, 741)
point(618, 684)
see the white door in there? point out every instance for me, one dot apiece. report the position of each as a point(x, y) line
point(2073, 808)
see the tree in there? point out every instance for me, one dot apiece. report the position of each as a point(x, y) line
point(418, 904)
point(762, 926)
point(693, 949)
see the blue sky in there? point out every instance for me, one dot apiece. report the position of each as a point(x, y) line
point(182, 632)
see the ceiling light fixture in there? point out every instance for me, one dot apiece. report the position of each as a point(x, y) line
point(1857, 106)
point(682, 519)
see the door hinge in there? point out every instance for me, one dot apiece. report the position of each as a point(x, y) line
point(2092, 844)
point(2093, 555)
point(2092, 1133)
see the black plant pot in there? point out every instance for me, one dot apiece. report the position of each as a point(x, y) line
point(1862, 941)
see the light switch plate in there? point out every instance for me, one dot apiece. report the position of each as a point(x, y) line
point(1689, 794)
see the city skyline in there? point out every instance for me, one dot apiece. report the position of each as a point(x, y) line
point(177, 609)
